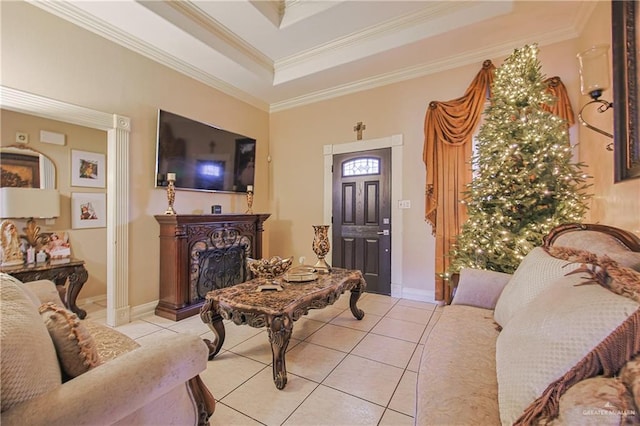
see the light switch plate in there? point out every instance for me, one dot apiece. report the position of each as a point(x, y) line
point(404, 204)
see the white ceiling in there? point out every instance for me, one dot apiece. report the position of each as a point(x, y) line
point(276, 54)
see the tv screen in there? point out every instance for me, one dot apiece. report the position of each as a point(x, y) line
point(203, 157)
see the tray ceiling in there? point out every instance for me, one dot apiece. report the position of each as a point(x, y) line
point(278, 54)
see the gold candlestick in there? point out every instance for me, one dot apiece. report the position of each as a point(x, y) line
point(249, 202)
point(171, 193)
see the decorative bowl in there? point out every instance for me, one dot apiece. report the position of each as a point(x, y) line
point(269, 268)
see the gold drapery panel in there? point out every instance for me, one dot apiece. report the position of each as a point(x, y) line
point(448, 126)
point(562, 107)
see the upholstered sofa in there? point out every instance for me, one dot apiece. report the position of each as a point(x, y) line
point(58, 370)
point(557, 342)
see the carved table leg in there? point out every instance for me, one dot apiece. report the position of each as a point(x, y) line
point(212, 318)
point(76, 281)
point(280, 329)
point(355, 295)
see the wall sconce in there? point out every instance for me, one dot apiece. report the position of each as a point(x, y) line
point(30, 203)
point(594, 79)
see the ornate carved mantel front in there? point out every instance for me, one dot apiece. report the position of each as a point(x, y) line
point(200, 253)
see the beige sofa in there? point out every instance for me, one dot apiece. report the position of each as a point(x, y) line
point(58, 370)
point(556, 343)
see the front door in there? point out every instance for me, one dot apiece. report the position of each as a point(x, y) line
point(361, 211)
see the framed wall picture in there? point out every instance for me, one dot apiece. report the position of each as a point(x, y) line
point(626, 96)
point(88, 210)
point(88, 169)
point(17, 170)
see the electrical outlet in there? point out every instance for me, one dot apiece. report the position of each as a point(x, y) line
point(22, 137)
point(404, 204)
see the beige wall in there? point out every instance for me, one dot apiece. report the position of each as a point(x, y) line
point(616, 204)
point(298, 135)
point(48, 56)
point(45, 55)
point(77, 138)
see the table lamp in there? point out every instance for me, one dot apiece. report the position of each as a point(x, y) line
point(25, 203)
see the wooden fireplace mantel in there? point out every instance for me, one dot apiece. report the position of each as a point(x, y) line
point(186, 241)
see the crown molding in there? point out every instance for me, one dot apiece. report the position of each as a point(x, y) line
point(435, 19)
point(77, 16)
point(476, 56)
point(72, 13)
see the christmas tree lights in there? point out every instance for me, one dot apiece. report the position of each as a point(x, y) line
point(525, 182)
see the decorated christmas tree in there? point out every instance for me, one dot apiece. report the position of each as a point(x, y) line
point(525, 182)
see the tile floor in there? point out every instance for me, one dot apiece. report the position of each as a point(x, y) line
point(340, 371)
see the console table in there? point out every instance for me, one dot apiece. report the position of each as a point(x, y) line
point(59, 271)
point(200, 253)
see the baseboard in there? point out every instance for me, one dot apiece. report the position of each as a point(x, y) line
point(144, 310)
point(419, 295)
point(98, 300)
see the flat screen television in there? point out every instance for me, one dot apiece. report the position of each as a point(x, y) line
point(203, 157)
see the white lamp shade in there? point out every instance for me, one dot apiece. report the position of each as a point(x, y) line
point(594, 69)
point(29, 202)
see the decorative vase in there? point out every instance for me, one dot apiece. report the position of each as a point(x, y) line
point(321, 246)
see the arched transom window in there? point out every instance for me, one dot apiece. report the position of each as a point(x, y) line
point(361, 166)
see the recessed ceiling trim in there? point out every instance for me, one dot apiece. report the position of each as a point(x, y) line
point(476, 56)
point(198, 16)
point(435, 19)
point(270, 9)
point(297, 10)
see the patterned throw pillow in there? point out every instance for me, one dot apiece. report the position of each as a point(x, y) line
point(74, 344)
point(630, 376)
point(603, 270)
point(597, 401)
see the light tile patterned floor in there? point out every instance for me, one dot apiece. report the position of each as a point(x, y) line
point(341, 371)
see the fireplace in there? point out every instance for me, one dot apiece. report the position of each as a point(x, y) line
point(218, 262)
point(200, 253)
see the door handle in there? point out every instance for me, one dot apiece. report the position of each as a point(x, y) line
point(385, 232)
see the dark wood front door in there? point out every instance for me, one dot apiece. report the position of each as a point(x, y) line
point(362, 216)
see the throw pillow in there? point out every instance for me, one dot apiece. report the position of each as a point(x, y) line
point(602, 270)
point(29, 366)
point(74, 344)
point(568, 333)
point(600, 244)
point(109, 342)
point(630, 376)
point(537, 272)
point(480, 288)
point(597, 401)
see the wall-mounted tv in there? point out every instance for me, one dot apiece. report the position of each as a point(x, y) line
point(203, 157)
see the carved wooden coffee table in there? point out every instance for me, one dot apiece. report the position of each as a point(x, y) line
point(277, 310)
